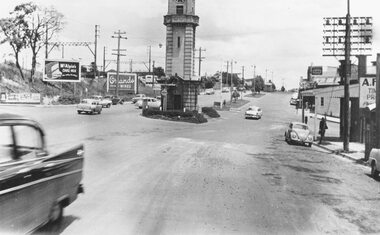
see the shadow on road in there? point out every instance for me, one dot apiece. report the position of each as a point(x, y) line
point(53, 229)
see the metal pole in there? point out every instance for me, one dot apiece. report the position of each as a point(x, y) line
point(378, 101)
point(118, 64)
point(346, 123)
point(150, 57)
point(200, 61)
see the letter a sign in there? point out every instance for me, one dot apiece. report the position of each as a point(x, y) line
point(367, 92)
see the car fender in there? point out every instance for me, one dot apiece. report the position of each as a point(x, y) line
point(375, 157)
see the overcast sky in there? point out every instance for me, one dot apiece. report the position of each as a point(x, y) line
point(283, 37)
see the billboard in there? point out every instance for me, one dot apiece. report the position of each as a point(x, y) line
point(127, 82)
point(317, 70)
point(367, 91)
point(21, 98)
point(62, 71)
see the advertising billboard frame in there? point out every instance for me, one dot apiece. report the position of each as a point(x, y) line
point(64, 71)
point(121, 75)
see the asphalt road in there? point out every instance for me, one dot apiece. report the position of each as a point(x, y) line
point(228, 176)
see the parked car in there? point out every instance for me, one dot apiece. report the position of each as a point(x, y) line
point(138, 97)
point(151, 102)
point(116, 100)
point(35, 185)
point(89, 106)
point(298, 133)
point(374, 162)
point(294, 99)
point(105, 102)
point(225, 89)
point(253, 112)
point(209, 91)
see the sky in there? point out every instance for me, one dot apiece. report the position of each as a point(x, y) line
point(281, 38)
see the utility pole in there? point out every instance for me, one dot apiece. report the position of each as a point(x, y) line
point(150, 58)
point(242, 68)
point(96, 51)
point(46, 43)
point(347, 72)
point(378, 101)
point(104, 59)
point(200, 58)
point(118, 54)
point(131, 66)
point(228, 63)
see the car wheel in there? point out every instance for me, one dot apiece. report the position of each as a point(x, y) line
point(309, 145)
point(374, 171)
point(108, 105)
point(56, 213)
point(92, 112)
point(79, 112)
point(99, 111)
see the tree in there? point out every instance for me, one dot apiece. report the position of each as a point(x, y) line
point(16, 38)
point(259, 84)
point(40, 25)
point(159, 72)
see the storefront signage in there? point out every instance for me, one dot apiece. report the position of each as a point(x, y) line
point(367, 92)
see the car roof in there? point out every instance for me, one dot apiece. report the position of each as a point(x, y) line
point(254, 107)
point(11, 116)
point(298, 123)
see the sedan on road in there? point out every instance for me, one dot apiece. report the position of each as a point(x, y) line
point(253, 112)
point(298, 133)
point(89, 106)
point(151, 102)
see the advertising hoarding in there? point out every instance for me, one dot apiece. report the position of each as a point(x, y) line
point(127, 82)
point(62, 71)
point(367, 91)
point(21, 98)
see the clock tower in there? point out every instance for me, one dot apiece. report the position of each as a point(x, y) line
point(181, 23)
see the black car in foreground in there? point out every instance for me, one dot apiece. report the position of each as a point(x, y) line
point(35, 185)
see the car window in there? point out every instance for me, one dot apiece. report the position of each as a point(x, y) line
point(28, 140)
point(302, 127)
point(6, 144)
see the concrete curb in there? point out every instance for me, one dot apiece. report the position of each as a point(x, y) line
point(338, 153)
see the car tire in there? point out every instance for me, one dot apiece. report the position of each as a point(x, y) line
point(108, 105)
point(79, 112)
point(374, 171)
point(100, 111)
point(92, 112)
point(56, 213)
point(309, 145)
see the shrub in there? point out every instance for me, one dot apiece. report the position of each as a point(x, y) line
point(68, 100)
point(188, 116)
point(211, 112)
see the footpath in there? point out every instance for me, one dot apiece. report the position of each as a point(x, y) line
point(331, 142)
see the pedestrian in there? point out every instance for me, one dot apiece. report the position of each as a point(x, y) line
point(322, 129)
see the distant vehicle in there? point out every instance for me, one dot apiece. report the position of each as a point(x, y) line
point(225, 89)
point(374, 162)
point(137, 98)
point(115, 100)
point(105, 102)
point(294, 100)
point(298, 133)
point(209, 91)
point(89, 106)
point(253, 112)
point(35, 186)
point(151, 102)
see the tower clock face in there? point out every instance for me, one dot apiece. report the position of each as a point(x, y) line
point(180, 1)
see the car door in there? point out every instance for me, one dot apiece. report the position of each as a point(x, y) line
point(22, 203)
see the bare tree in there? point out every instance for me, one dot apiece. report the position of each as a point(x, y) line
point(11, 29)
point(41, 25)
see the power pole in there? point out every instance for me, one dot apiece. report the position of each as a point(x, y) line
point(131, 66)
point(200, 58)
point(118, 54)
point(228, 63)
point(378, 101)
point(243, 67)
point(96, 51)
point(104, 59)
point(347, 73)
point(150, 58)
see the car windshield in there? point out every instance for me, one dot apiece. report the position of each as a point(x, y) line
point(85, 102)
point(300, 126)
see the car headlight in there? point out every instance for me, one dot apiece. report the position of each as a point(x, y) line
point(293, 135)
point(310, 138)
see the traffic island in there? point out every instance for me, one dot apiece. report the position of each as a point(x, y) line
point(177, 116)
